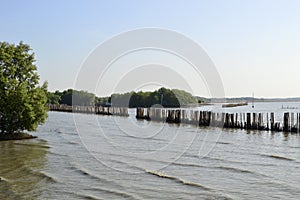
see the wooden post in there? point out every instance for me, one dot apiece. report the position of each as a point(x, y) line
point(192, 116)
point(168, 115)
point(196, 118)
point(286, 122)
point(248, 120)
point(223, 120)
point(272, 121)
point(204, 118)
point(177, 116)
point(292, 125)
point(232, 121)
point(201, 115)
point(183, 116)
point(201, 118)
point(260, 121)
point(297, 126)
point(164, 118)
point(241, 121)
point(226, 125)
point(298, 122)
point(267, 121)
point(209, 116)
point(213, 119)
point(254, 123)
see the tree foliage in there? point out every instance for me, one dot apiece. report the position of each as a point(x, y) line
point(83, 98)
point(163, 96)
point(53, 97)
point(72, 97)
point(22, 101)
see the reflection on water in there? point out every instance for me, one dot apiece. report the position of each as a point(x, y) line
point(21, 166)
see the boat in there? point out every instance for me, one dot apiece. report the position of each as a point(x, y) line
point(230, 105)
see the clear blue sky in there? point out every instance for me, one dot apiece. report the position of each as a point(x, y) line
point(255, 45)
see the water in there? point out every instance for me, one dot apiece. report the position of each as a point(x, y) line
point(84, 156)
point(260, 107)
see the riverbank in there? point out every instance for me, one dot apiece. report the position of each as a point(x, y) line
point(16, 136)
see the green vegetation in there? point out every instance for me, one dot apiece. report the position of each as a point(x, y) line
point(166, 97)
point(162, 96)
point(53, 98)
point(71, 97)
point(22, 101)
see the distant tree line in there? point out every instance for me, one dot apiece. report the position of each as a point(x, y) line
point(72, 97)
point(163, 96)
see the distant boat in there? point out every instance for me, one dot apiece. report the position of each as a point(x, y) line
point(230, 105)
point(289, 107)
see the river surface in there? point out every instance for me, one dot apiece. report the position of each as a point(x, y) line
point(82, 156)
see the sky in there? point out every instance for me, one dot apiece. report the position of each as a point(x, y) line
point(254, 45)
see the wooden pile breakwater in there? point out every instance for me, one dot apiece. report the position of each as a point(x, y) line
point(249, 121)
point(116, 111)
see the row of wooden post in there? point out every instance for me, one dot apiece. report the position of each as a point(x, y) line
point(251, 121)
point(117, 111)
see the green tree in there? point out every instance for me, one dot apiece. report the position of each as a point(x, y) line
point(66, 97)
point(53, 98)
point(22, 101)
point(168, 98)
point(73, 97)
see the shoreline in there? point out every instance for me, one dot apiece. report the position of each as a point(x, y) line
point(16, 136)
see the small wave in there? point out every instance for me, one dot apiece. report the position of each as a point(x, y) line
point(73, 142)
point(238, 162)
point(178, 180)
point(142, 138)
point(58, 131)
point(3, 179)
point(117, 193)
point(294, 147)
point(238, 170)
point(32, 144)
point(191, 155)
point(188, 165)
point(58, 153)
point(85, 172)
point(281, 157)
point(89, 197)
point(278, 157)
point(44, 176)
point(221, 167)
point(205, 157)
point(41, 140)
point(114, 158)
point(74, 195)
point(223, 143)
